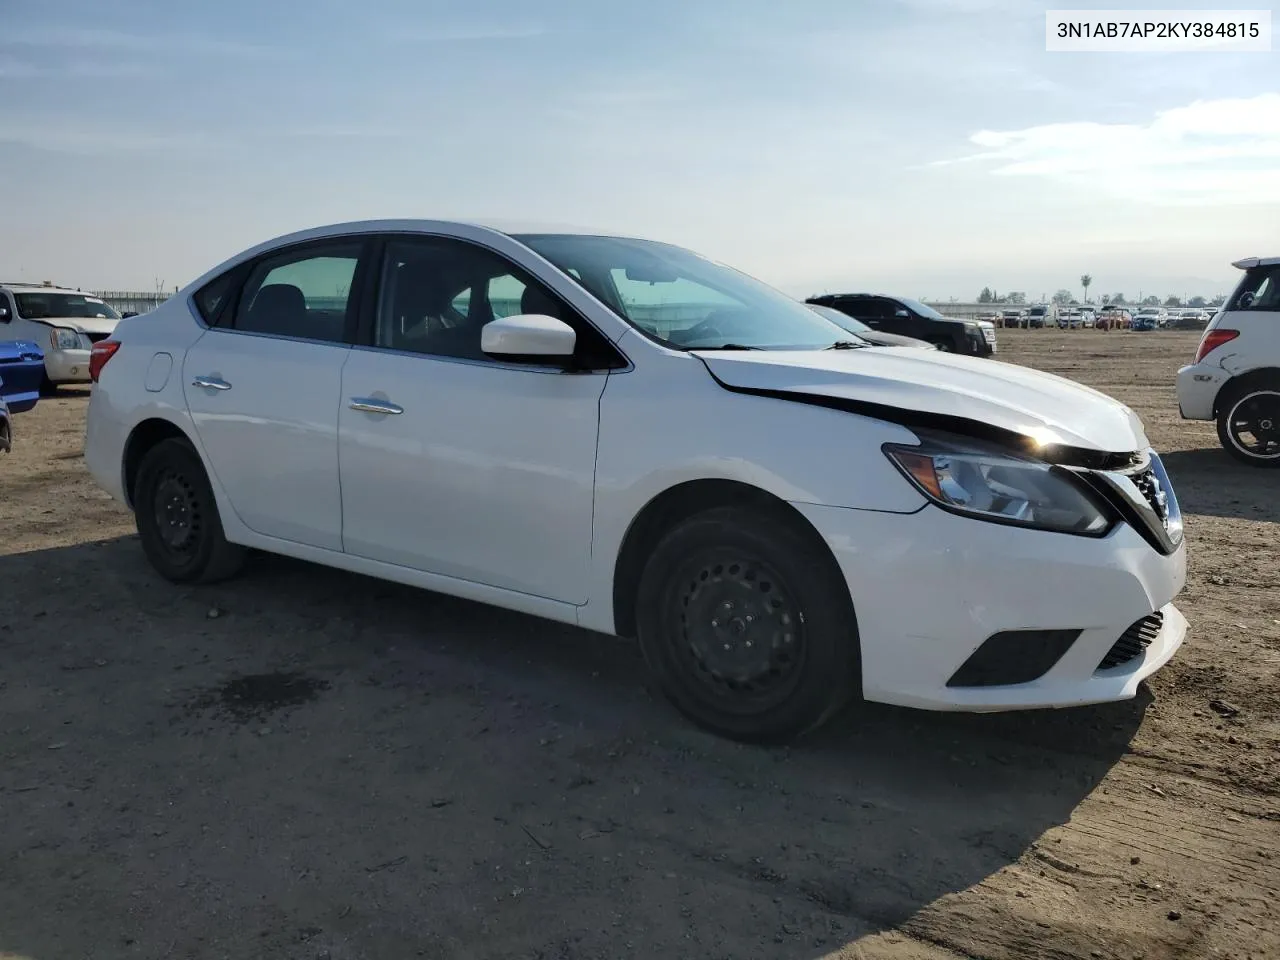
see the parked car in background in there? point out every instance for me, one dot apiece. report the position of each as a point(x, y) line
point(911, 318)
point(1113, 317)
point(861, 330)
point(1235, 376)
point(650, 445)
point(1013, 318)
point(21, 373)
point(1069, 318)
point(1088, 317)
point(1039, 316)
point(1150, 318)
point(65, 323)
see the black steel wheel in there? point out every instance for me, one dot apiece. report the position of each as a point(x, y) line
point(1249, 425)
point(177, 517)
point(747, 624)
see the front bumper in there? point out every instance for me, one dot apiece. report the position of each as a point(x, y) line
point(1198, 387)
point(67, 366)
point(930, 588)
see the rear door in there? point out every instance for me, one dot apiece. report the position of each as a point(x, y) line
point(263, 387)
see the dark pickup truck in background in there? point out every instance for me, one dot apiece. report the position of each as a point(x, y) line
point(911, 318)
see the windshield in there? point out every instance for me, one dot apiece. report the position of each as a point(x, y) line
point(38, 306)
point(915, 306)
point(682, 299)
point(849, 323)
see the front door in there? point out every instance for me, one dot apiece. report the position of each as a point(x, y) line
point(454, 463)
point(263, 391)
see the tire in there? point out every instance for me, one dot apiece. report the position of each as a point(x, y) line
point(1257, 404)
point(943, 345)
point(47, 387)
point(750, 579)
point(177, 517)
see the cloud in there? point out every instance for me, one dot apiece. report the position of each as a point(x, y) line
point(1210, 151)
point(123, 42)
point(13, 69)
point(463, 33)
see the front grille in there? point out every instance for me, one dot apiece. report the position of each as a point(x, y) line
point(1134, 641)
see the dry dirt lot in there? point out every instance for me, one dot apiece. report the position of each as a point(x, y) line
point(307, 764)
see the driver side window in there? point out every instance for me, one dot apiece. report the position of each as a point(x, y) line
point(437, 294)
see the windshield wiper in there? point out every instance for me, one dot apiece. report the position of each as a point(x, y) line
point(727, 346)
point(847, 345)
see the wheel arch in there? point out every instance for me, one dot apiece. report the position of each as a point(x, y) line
point(678, 503)
point(145, 435)
point(1250, 378)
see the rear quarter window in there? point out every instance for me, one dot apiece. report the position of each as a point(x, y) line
point(1259, 290)
point(212, 297)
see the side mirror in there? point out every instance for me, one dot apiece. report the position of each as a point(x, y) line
point(528, 336)
point(901, 313)
point(128, 313)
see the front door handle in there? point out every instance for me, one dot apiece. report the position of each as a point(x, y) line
point(374, 405)
point(213, 383)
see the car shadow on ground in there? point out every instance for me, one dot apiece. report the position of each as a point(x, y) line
point(440, 775)
point(1210, 481)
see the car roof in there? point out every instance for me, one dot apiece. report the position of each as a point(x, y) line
point(413, 225)
point(40, 288)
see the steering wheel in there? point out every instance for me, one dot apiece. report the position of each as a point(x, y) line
point(702, 329)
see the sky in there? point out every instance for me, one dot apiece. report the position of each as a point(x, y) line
point(921, 147)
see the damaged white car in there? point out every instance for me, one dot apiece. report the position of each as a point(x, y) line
point(624, 435)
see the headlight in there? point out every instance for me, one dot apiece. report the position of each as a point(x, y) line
point(1000, 488)
point(64, 338)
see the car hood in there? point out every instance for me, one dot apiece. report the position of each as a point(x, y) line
point(946, 387)
point(894, 340)
point(83, 324)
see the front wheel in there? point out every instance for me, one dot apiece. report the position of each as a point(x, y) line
point(748, 626)
point(178, 519)
point(1249, 425)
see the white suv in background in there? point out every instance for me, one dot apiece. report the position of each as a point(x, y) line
point(1235, 377)
point(65, 323)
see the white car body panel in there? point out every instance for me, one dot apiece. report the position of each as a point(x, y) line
point(517, 486)
point(1014, 398)
point(1199, 385)
point(282, 398)
point(479, 448)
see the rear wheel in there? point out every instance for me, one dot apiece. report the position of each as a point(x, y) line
point(1249, 424)
point(748, 625)
point(178, 519)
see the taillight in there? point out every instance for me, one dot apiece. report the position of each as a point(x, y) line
point(99, 354)
point(1212, 340)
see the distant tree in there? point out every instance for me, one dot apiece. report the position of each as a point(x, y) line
point(1151, 301)
point(1196, 302)
point(1017, 297)
point(986, 296)
point(1118, 299)
point(1173, 301)
point(1086, 281)
point(1218, 301)
point(1062, 296)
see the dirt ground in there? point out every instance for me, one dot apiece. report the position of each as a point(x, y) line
point(308, 764)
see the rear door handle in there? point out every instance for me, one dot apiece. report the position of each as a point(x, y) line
point(212, 383)
point(374, 405)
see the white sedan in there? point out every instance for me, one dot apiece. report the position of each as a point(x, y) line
point(624, 435)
